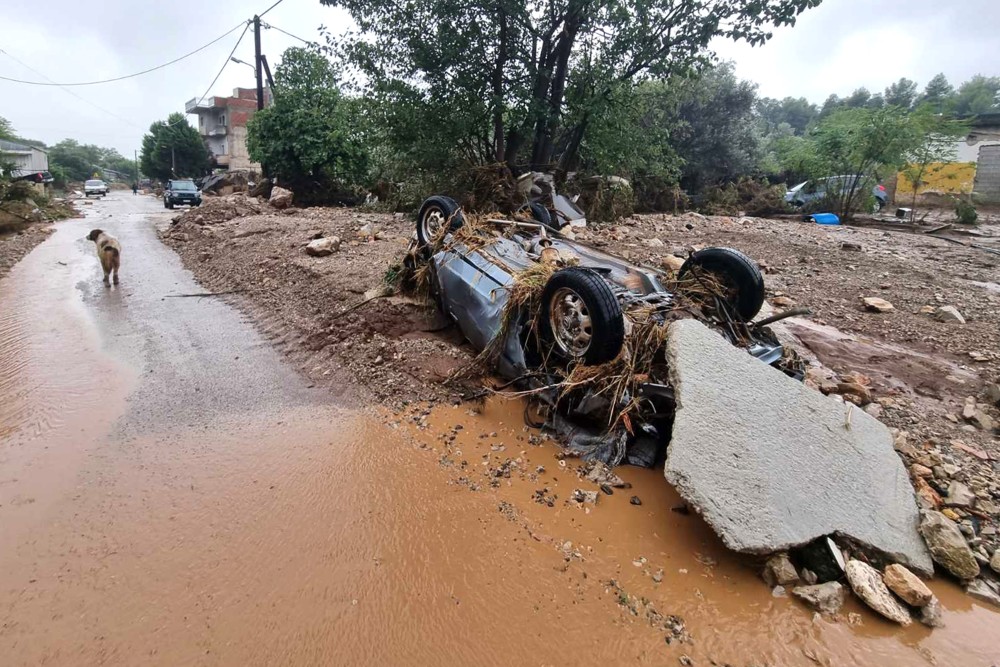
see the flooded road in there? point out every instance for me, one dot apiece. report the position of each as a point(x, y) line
point(172, 493)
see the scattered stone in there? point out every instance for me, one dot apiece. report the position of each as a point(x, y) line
point(779, 571)
point(983, 420)
point(823, 460)
point(323, 247)
point(878, 305)
point(658, 575)
point(948, 314)
point(582, 497)
point(907, 585)
point(927, 497)
point(598, 472)
point(672, 263)
point(992, 393)
point(959, 495)
point(654, 243)
point(867, 584)
point(280, 198)
point(930, 614)
point(825, 598)
point(635, 500)
point(995, 561)
point(778, 592)
point(926, 310)
point(982, 590)
point(782, 301)
point(849, 245)
point(918, 470)
point(948, 547)
point(809, 576)
point(969, 408)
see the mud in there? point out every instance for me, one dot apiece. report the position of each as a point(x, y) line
point(273, 524)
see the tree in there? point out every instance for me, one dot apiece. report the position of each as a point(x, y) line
point(173, 149)
point(936, 145)
point(978, 95)
point(797, 112)
point(7, 130)
point(311, 133)
point(520, 81)
point(858, 142)
point(76, 161)
point(939, 94)
point(858, 99)
point(901, 94)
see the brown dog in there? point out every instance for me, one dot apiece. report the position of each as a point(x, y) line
point(109, 251)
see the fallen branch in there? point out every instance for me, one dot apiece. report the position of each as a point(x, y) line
point(939, 228)
point(235, 291)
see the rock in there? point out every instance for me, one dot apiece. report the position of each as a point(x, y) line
point(368, 231)
point(782, 302)
point(959, 495)
point(995, 561)
point(927, 497)
point(825, 598)
point(948, 314)
point(860, 391)
point(786, 465)
point(984, 591)
point(635, 500)
point(926, 310)
point(672, 263)
point(598, 472)
point(582, 497)
point(992, 393)
point(948, 547)
point(878, 305)
point(323, 247)
point(969, 408)
point(907, 585)
point(809, 576)
point(983, 420)
point(930, 614)
point(867, 584)
point(654, 243)
point(779, 571)
point(280, 198)
point(918, 470)
point(848, 245)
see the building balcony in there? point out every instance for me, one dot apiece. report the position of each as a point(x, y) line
point(217, 131)
point(194, 105)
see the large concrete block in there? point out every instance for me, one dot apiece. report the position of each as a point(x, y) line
point(772, 464)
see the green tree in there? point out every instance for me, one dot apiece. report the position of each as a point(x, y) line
point(939, 94)
point(311, 133)
point(936, 142)
point(7, 130)
point(978, 95)
point(901, 94)
point(858, 99)
point(858, 142)
point(797, 112)
point(76, 161)
point(173, 149)
point(521, 81)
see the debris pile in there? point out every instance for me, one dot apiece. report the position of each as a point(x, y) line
point(215, 210)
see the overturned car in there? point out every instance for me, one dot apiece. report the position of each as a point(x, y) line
point(578, 329)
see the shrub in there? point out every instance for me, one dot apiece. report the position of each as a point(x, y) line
point(965, 212)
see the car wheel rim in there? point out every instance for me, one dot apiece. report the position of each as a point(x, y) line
point(433, 223)
point(570, 322)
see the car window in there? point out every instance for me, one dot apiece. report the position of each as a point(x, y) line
point(185, 186)
point(92, 182)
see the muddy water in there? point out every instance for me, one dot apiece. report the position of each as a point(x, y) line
point(303, 533)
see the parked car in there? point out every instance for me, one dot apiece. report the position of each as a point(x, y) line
point(180, 192)
point(95, 187)
point(811, 192)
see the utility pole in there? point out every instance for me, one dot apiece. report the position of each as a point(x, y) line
point(173, 162)
point(135, 154)
point(257, 64)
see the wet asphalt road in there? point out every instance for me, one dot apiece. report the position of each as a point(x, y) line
point(196, 359)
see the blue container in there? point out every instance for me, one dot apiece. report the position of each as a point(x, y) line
point(825, 218)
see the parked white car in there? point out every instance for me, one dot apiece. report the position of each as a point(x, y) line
point(95, 187)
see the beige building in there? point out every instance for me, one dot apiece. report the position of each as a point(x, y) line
point(222, 123)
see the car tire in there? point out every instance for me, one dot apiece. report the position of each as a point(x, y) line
point(734, 269)
point(539, 214)
point(877, 206)
point(435, 211)
point(170, 206)
point(581, 294)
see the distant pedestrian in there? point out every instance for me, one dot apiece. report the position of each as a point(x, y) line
point(135, 188)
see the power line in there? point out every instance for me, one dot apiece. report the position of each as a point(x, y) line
point(127, 76)
point(67, 90)
point(305, 41)
point(270, 8)
point(226, 62)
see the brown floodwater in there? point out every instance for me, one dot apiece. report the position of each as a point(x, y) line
point(315, 534)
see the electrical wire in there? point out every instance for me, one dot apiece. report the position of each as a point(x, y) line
point(305, 41)
point(67, 90)
point(224, 64)
point(270, 8)
point(120, 78)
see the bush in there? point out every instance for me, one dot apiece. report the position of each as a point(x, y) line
point(602, 200)
point(965, 212)
point(655, 194)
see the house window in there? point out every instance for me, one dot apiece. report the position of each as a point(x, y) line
point(222, 120)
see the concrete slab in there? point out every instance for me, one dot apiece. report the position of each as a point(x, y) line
point(772, 464)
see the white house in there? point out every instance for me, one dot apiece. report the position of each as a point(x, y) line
point(29, 162)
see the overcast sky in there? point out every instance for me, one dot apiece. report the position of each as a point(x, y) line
point(834, 48)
